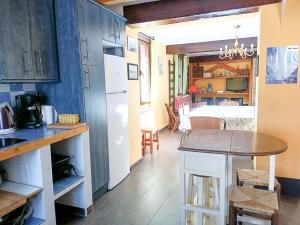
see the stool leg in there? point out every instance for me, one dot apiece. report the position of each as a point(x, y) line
point(232, 214)
point(190, 195)
point(276, 218)
point(216, 193)
point(143, 144)
point(157, 139)
point(151, 142)
point(200, 198)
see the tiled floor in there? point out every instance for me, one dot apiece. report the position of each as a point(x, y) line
point(150, 194)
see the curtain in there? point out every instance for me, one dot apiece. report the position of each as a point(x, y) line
point(176, 73)
point(185, 75)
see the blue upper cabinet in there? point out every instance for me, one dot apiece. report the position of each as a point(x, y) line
point(113, 27)
point(15, 59)
point(43, 39)
point(28, 49)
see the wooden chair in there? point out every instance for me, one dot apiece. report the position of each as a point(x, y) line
point(174, 120)
point(229, 103)
point(201, 122)
point(149, 136)
point(256, 178)
point(248, 203)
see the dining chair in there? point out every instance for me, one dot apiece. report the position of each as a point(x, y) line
point(174, 120)
point(229, 103)
point(184, 110)
point(203, 122)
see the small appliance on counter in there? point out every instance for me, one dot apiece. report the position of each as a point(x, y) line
point(28, 109)
point(50, 114)
point(7, 123)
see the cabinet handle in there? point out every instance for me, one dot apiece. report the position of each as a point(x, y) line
point(119, 30)
point(26, 61)
point(39, 68)
point(87, 83)
point(86, 56)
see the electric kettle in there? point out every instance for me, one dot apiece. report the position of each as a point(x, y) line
point(7, 123)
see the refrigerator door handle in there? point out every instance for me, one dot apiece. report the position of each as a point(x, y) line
point(119, 92)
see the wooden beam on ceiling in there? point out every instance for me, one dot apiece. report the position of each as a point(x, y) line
point(177, 9)
point(211, 46)
point(112, 2)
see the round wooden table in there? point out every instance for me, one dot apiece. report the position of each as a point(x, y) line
point(209, 153)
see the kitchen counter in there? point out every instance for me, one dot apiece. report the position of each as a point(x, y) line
point(28, 167)
point(36, 138)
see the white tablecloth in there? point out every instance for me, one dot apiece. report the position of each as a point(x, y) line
point(236, 117)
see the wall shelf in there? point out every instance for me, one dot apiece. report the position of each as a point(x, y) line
point(215, 94)
point(65, 185)
point(227, 77)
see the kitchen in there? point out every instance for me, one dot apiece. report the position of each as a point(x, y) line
point(61, 62)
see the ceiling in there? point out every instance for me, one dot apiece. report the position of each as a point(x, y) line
point(204, 30)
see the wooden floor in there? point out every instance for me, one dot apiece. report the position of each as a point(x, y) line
point(150, 194)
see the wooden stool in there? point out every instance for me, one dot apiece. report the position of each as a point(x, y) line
point(148, 137)
point(247, 203)
point(256, 178)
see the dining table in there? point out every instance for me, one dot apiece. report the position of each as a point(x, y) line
point(208, 153)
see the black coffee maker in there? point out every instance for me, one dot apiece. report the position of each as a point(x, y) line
point(28, 109)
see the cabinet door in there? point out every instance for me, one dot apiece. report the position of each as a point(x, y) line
point(95, 114)
point(108, 26)
point(15, 54)
point(120, 24)
point(90, 33)
point(44, 44)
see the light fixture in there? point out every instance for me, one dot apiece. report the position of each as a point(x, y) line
point(230, 53)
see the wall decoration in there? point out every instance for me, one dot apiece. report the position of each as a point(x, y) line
point(160, 65)
point(282, 65)
point(132, 70)
point(132, 44)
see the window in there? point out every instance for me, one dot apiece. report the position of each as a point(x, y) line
point(145, 72)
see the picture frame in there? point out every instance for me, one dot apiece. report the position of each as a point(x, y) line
point(132, 71)
point(282, 65)
point(132, 44)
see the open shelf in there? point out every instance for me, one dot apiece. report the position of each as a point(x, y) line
point(65, 185)
point(22, 189)
point(221, 77)
point(216, 94)
point(34, 221)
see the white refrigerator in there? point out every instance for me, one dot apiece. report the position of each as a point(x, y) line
point(117, 118)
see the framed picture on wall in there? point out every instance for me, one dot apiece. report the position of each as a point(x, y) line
point(133, 71)
point(282, 65)
point(132, 44)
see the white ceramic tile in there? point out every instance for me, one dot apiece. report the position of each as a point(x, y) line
point(13, 95)
point(4, 88)
point(29, 87)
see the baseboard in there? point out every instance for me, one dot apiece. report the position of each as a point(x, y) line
point(136, 164)
point(97, 194)
point(289, 186)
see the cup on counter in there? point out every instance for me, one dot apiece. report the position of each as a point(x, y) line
point(50, 114)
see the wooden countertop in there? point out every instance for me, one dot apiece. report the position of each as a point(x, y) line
point(232, 142)
point(37, 138)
